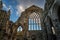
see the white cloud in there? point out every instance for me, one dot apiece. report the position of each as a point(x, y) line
point(24, 4)
point(20, 9)
point(5, 7)
point(18, 14)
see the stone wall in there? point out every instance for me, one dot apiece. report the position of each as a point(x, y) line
point(52, 18)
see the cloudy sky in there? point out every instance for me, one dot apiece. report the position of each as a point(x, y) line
point(17, 6)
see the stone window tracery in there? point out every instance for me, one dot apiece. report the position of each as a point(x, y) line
point(34, 22)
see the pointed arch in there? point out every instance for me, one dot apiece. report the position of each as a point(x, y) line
point(33, 10)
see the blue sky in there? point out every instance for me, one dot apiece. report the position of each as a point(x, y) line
point(17, 6)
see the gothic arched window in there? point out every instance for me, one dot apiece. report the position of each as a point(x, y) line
point(19, 29)
point(34, 22)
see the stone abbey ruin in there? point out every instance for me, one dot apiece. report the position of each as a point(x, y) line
point(47, 23)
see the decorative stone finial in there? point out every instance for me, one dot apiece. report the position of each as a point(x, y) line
point(9, 12)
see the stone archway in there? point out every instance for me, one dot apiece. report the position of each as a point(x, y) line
point(16, 32)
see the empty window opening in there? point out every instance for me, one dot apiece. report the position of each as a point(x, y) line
point(34, 22)
point(19, 29)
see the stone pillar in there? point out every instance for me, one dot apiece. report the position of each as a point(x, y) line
point(44, 29)
point(25, 30)
point(25, 27)
point(48, 28)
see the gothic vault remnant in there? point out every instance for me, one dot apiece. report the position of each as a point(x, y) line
point(52, 19)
